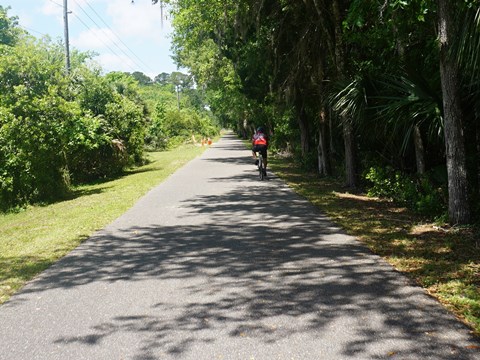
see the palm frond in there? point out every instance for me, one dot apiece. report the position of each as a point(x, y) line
point(400, 103)
point(349, 100)
point(466, 47)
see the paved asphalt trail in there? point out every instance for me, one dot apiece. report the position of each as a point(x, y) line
point(214, 264)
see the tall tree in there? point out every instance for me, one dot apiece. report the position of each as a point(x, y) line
point(347, 126)
point(142, 78)
point(162, 79)
point(9, 30)
point(277, 59)
point(458, 207)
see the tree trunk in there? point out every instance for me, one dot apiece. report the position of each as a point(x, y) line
point(458, 207)
point(477, 136)
point(339, 50)
point(330, 143)
point(244, 127)
point(323, 168)
point(303, 125)
point(322, 22)
point(419, 150)
point(348, 135)
point(417, 135)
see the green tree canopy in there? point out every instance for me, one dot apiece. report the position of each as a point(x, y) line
point(346, 83)
point(9, 29)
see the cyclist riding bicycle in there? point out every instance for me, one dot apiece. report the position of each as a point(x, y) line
point(260, 145)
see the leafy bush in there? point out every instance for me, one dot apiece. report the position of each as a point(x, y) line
point(113, 122)
point(419, 194)
point(431, 200)
point(127, 122)
point(91, 154)
point(155, 137)
point(34, 129)
point(285, 135)
point(55, 129)
point(171, 127)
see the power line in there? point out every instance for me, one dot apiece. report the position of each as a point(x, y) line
point(104, 33)
point(119, 38)
point(54, 2)
point(99, 38)
point(30, 29)
point(99, 28)
point(107, 35)
point(113, 51)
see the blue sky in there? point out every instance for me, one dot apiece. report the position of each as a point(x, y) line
point(127, 36)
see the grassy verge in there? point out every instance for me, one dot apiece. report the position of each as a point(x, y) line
point(34, 239)
point(444, 260)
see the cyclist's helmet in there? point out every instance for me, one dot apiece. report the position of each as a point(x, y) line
point(260, 129)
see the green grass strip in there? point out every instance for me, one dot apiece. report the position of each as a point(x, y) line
point(32, 240)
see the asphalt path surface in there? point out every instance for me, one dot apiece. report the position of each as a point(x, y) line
point(215, 264)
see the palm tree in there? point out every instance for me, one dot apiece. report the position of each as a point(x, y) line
point(407, 104)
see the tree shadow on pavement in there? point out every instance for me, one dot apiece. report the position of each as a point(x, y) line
point(289, 275)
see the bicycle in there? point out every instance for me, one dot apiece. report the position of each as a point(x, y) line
point(262, 170)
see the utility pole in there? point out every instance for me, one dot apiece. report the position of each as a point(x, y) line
point(178, 96)
point(67, 46)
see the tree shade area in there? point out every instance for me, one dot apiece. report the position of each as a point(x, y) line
point(382, 93)
point(59, 129)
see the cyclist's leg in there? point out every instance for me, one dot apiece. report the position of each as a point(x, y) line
point(264, 154)
point(254, 154)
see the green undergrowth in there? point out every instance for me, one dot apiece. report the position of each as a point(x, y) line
point(444, 260)
point(34, 238)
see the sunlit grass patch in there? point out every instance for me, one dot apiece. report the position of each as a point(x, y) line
point(460, 298)
point(33, 239)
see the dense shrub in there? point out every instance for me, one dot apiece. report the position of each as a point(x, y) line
point(91, 154)
point(112, 125)
point(418, 194)
point(171, 127)
point(34, 128)
point(156, 137)
point(55, 129)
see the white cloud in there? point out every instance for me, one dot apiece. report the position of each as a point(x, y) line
point(119, 63)
point(94, 39)
point(52, 8)
point(141, 19)
point(106, 26)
